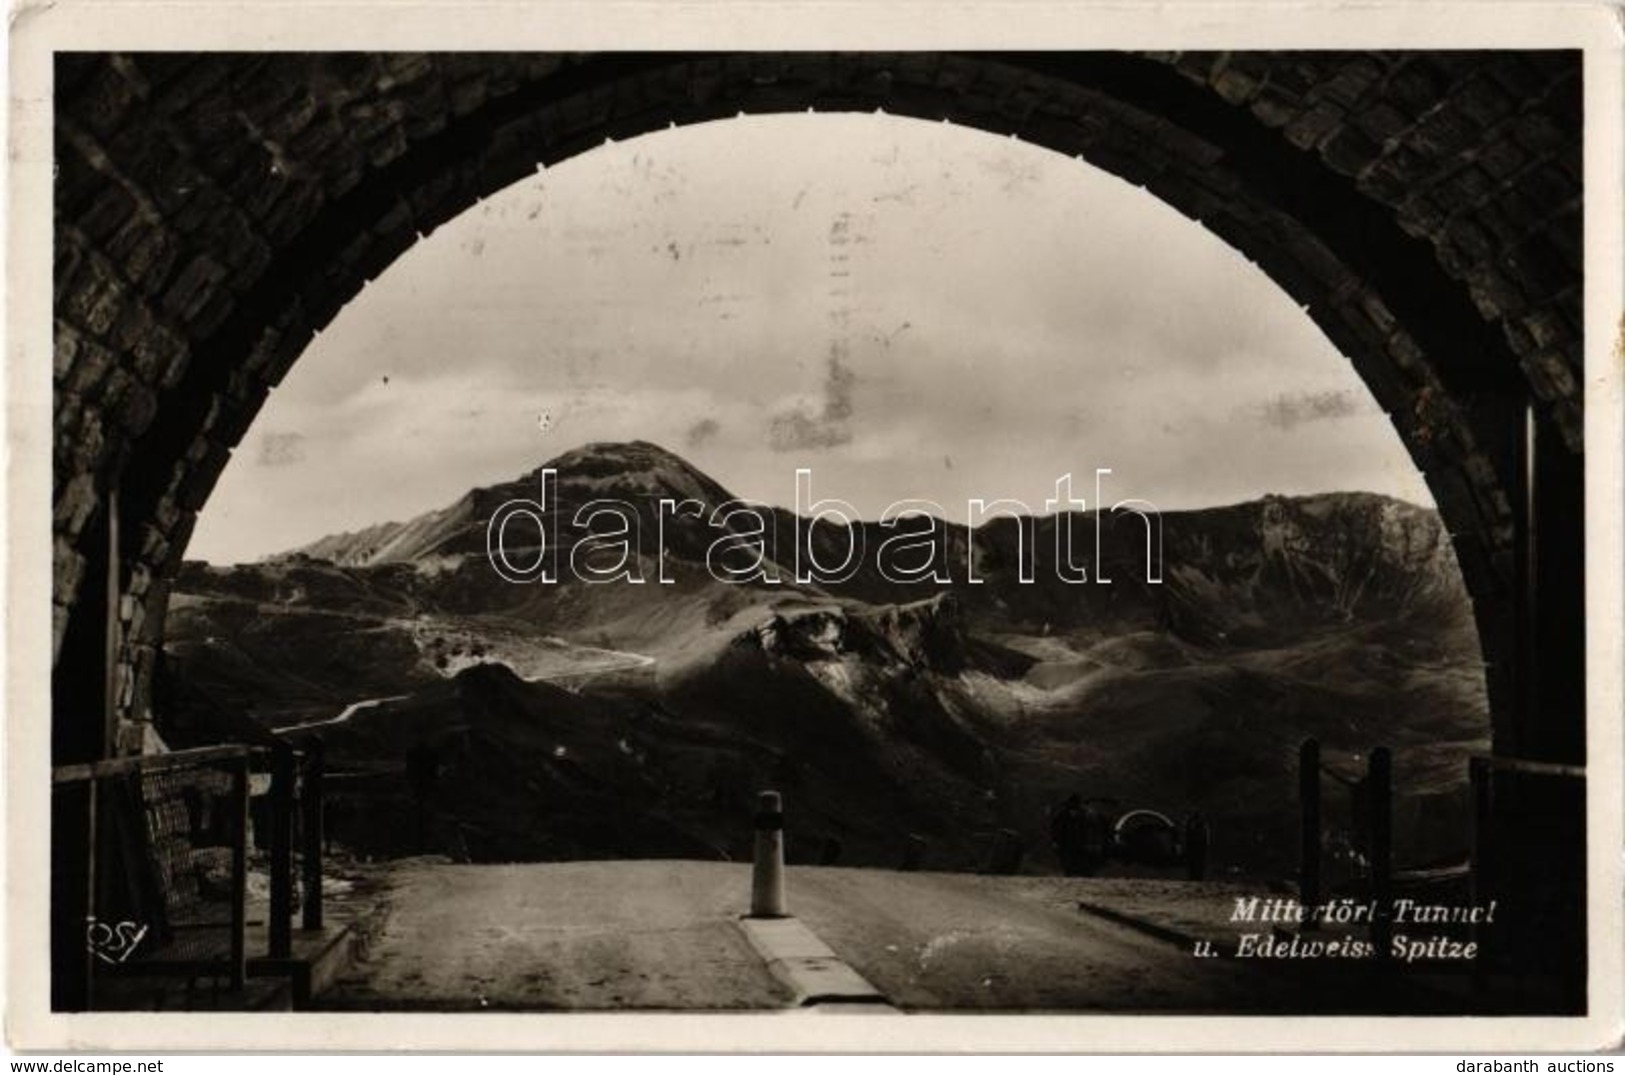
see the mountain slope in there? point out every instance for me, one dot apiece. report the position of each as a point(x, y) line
point(883, 709)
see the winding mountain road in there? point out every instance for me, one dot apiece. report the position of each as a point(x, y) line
point(344, 716)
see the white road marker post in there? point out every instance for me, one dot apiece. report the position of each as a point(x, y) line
point(767, 874)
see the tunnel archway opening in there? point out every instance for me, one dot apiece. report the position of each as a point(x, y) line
point(387, 352)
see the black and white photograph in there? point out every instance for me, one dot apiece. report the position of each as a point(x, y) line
point(1073, 532)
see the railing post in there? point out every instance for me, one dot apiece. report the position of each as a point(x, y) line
point(280, 925)
point(239, 872)
point(913, 852)
point(1005, 854)
point(1483, 861)
point(1379, 784)
point(767, 871)
point(93, 838)
point(1309, 827)
point(310, 802)
point(113, 634)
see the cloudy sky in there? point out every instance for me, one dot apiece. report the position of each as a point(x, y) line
point(912, 310)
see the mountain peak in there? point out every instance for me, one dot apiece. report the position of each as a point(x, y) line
point(637, 470)
point(620, 454)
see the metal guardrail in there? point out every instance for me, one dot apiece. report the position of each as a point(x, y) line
point(1371, 806)
point(151, 823)
point(149, 763)
point(158, 830)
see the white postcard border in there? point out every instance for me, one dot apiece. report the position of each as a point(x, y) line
point(38, 29)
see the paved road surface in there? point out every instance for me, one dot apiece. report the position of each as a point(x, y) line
point(945, 941)
point(581, 936)
point(619, 935)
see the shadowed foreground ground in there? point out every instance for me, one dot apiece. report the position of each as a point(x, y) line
point(664, 935)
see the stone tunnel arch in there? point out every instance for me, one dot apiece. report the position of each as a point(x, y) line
point(213, 212)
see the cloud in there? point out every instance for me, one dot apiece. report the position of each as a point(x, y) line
point(281, 449)
point(798, 429)
point(701, 432)
point(1290, 410)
